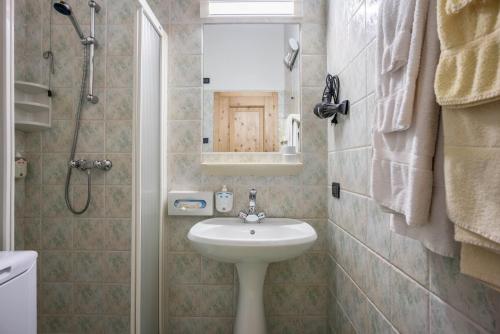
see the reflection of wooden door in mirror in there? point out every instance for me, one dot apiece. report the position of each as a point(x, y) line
point(246, 122)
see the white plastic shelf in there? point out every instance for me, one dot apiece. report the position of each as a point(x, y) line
point(33, 106)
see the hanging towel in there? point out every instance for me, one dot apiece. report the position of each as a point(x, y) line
point(481, 264)
point(472, 174)
point(454, 6)
point(468, 73)
point(400, 34)
point(437, 234)
point(472, 238)
point(472, 170)
point(402, 162)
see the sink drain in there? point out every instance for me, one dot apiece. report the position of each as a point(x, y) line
point(252, 232)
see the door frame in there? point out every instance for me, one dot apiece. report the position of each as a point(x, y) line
point(143, 9)
point(7, 125)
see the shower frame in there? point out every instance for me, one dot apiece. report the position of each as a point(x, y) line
point(143, 11)
point(7, 150)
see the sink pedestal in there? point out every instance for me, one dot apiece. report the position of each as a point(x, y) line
point(250, 317)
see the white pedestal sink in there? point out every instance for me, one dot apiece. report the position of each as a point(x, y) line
point(252, 247)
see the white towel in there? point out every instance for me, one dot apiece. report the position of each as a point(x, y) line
point(402, 172)
point(437, 233)
point(400, 35)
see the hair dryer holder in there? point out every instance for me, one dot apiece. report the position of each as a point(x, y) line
point(326, 108)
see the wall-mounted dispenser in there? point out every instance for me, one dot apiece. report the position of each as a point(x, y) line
point(21, 167)
point(327, 109)
point(293, 52)
point(223, 200)
point(190, 203)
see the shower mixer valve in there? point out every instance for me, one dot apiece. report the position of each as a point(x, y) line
point(84, 165)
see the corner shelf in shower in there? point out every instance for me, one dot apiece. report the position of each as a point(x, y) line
point(33, 106)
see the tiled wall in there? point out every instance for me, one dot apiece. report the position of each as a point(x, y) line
point(380, 282)
point(84, 261)
point(200, 294)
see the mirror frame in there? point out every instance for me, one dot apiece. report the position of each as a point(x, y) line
point(253, 163)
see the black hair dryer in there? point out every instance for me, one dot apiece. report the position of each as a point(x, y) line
point(326, 108)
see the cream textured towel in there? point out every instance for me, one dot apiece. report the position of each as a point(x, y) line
point(402, 163)
point(472, 169)
point(468, 73)
point(481, 264)
point(454, 6)
point(472, 174)
point(400, 33)
point(472, 238)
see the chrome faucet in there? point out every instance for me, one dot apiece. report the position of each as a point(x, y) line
point(250, 215)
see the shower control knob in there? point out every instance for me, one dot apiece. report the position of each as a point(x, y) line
point(103, 164)
point(74, 163)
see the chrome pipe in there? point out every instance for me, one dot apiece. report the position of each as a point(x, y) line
point(94, 8)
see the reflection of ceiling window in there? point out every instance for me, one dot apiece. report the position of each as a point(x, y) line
point(215, 8)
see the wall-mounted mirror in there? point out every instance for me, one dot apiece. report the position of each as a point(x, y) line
point(251, 87)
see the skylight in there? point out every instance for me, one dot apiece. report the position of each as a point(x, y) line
point(251, 8)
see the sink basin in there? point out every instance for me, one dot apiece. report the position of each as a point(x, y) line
point(251, 247)
point(230, 240)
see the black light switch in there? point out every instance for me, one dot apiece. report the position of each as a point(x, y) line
point(205, 140)
point(336, 189)
point(206, 80)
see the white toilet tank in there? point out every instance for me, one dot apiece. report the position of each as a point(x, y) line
point(18, 292)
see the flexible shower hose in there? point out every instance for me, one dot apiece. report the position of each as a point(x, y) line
point(81, 101)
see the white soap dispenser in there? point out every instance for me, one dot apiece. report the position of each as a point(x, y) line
point(224, 200)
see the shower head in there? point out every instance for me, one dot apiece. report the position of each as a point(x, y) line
point(62, 8)
point(65, 9)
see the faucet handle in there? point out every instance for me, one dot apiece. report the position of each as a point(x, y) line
point(243, 215)
point(261, 216)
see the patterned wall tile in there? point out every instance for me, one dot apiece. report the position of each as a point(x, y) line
point(119, 72)
point(57, 233)
point(408, 305)
point(184, 136)
point(217, 301)
point(464, 293)
point(185, 11)
point(313, 38)
point(313, 70)
point(55, 324)
point(120, 11)
point(410, 256)
point(88, 266)
point(184, 268)
point(185, 70)
point(118, 201)
point(117, 234)
point(214, 272)
point(117, 324)
point(184, 300)
point(56, 298)
point(119, 104)
point(446, 320)
point(119, 136)
point(117, 267)
point(121, 40)
point(88, 298)
point(184, 103)
point(116, 298)
point(88, 324)
point(88, 233)
point(186, 38)
point(121, 173)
